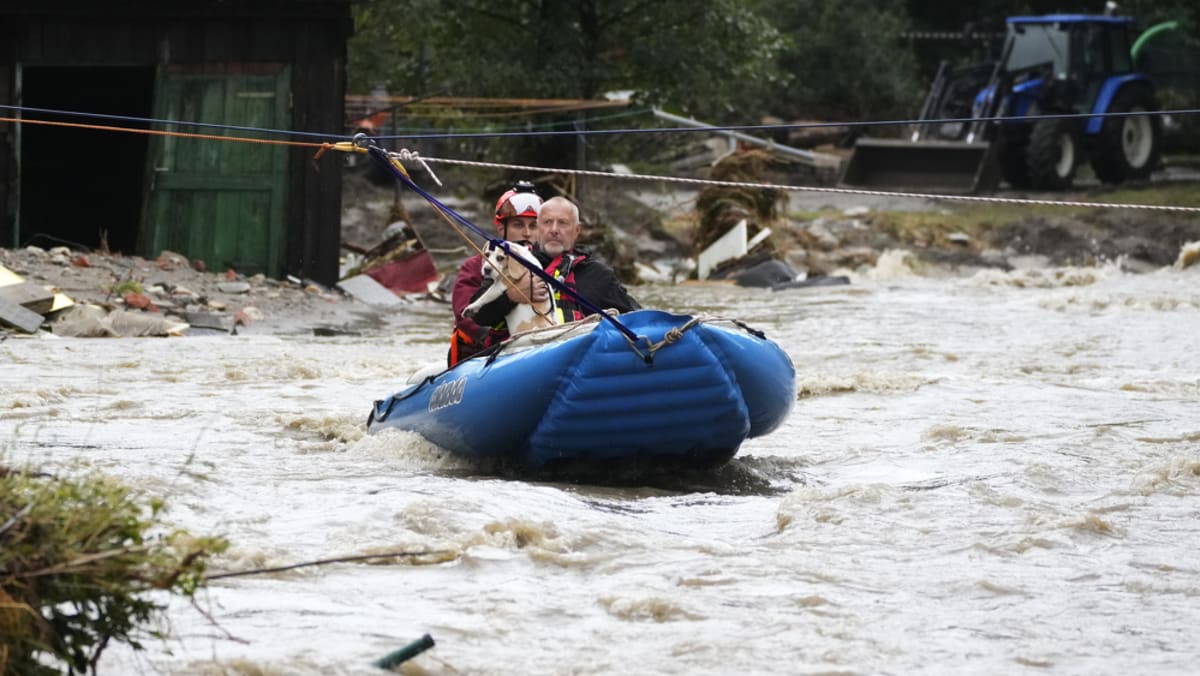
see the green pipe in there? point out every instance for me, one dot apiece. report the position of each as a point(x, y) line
point(1149, 33)
point(406, 653)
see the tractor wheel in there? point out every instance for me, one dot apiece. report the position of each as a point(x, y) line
point(1011, 158)
point(1129, 146)
point(1052, 155)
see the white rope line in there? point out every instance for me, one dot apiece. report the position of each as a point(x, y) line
point(548, 334)
point(411, 155)
point(819, 189)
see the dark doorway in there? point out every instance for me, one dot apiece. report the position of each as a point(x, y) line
point(83, 187)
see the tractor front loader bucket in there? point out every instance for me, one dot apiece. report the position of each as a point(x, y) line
point(936, 166)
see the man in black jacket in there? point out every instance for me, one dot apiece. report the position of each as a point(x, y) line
point(557, 229)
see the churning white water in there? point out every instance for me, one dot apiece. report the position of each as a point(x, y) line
point(992, 474)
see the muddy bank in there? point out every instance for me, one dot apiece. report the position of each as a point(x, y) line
point(1138, 238)
point(1138, 241)
point(129, 295)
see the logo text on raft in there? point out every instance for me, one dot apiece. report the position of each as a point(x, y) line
point(447, 394)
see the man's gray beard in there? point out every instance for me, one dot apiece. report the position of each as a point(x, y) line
point(553, 253)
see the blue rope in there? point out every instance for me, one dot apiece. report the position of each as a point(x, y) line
point(381, 155)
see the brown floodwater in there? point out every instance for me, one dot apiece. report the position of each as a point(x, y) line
point(992, 473)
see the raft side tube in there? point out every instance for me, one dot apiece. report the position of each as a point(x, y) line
point(763, 372)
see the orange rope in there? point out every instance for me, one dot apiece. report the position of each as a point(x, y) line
point(161, 132)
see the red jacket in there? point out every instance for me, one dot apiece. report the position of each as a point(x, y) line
point(468, 281)
point(469, 337)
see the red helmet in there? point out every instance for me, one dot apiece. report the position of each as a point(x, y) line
point(520, 201)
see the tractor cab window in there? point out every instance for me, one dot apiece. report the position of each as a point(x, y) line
point(1038, 45)
point(1122, 60)
point(1099, 51)
point(1090, 50)
point(1103, 48)
point(1089, 61)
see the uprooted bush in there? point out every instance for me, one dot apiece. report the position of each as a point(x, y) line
point(79, 559)
point(721, 207)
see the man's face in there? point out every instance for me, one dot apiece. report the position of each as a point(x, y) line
point(557, 228)
point(522, 229)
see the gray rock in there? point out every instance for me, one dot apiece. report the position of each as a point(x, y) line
point(209, 320)
point(234, 287)
point(766, 274)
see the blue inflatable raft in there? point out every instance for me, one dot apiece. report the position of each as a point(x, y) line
point(688, 392)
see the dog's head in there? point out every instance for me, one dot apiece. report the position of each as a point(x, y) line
point(497, 258)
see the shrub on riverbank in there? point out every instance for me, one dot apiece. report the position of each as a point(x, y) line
point(79, 558)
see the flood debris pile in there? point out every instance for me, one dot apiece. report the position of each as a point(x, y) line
point(78, 559)
point(722, 207)
point(734, 237)
point(75, 294)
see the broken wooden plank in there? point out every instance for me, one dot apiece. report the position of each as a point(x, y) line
point(18, 317)
point(33, 297)
point(9, 277)
point(368, 290)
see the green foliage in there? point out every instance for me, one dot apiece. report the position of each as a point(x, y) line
point(392, 44)
point(725, 61)
point(698, 56)
point(78, 558)
point(845, 60)
point(127, 286)
point(1186, 12)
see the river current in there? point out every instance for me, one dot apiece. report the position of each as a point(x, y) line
point(993, 473)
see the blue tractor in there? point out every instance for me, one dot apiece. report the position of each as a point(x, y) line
point(1050, 65)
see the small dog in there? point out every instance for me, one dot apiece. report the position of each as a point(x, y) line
point(524, 316)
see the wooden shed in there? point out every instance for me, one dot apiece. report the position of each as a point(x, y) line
point(235, 65)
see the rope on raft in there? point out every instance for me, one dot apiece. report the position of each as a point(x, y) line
point(673, 335)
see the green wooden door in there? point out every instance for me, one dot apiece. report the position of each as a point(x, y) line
point(219, 201)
